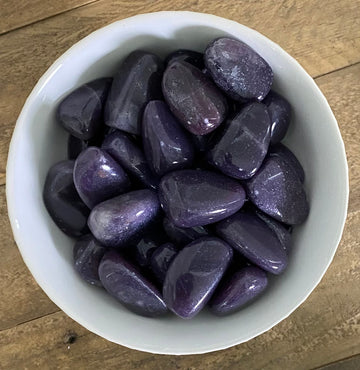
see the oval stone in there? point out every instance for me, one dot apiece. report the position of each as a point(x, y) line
point(161, 259)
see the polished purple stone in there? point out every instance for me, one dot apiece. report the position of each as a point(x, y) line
point(193, 98)
point(194, 274)
point(62, 201)
point(197, 197)
point(184, 55)
point(182, 236)
point(276, 190)
point(287, 155)
point(251, 236)
point(238, 69)
point(280, 114)
point(87, 256)
point(240, 148)
point(242, 287)
point(167, 145)
point(119, 220)
point(125, 282)
point(136, 83)
point(161, 259)
point(125, 151)
point(81, 111)
point(97, 176)
point(144, 249)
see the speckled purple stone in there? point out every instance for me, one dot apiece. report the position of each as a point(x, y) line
point(62, 201)
point(126, 152)
point(193, 98)
point(251, 236)
point(276, 190)
point(119, 220)
point(167, 145)
point(80, 113)
point(240, 148)
point(194, 274)
point(124, 282)
point(184, 55)
point(97, 177)
point(87, 256)
point(241, 288)
point(197, 197)
point(136, 83)
point(161, 259)
point(238, 69)
point(280, 114)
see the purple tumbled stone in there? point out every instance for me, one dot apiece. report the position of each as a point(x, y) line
point(252, 237)
point(62, 201)
point(194, 274)
point(161, 259)
point(184, 55)
point(87, 256)
point(242, 287)
point(124, 282)
point(136, 83)
point(193, 98)
point(280, 115)
point(97, 176)
point(238, 69)
point(240, 148)
point(167, 145)
point(276, 190)
point(126, 152)
point(119, 220)
point(197, 197)
point(80, 113)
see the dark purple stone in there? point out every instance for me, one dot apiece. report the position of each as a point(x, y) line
point(276, 190)
point(145, 248)
point(124, 282)
point(197, 197)
point(87, 256)
point(136, 83)
point(80, 113)
point(75, 146)
point(117, 221)
point(125, 151)
point(161, 259)
point(243, 286)
point(167, 145)
point(238, 69)
point(63, 202)
point(193, 98)
point(194, 274)
point(183, 55)
point(97, 176)
point(251, 236)
point(240, 148)
point(280, 115)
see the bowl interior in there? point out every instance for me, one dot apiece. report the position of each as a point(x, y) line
point(38, 142)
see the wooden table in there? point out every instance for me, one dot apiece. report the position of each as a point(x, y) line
point(324, 36)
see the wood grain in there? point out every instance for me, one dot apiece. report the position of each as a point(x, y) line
point(319, 40)
point(352, 363)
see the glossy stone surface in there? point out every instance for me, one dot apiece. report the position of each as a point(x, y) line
point(243, 286)
point(87, 256)
point(97, 176)
point(167, 145)
point(240, 148)
point(182, 236)
point(251, 236)
point(194, 274)
point(238, 69)
point(80, 113)
point(62, 201)
point(137, 81)
point(280, 115)
point(276, 190)
point(161, 259)
point(126, 152)
point(119, 220)
point(184, 55)
point(197, 197)
point(144, 249)
point(125, 282)
point(193, 98)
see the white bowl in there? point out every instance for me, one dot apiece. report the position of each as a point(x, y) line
point(38, 142)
